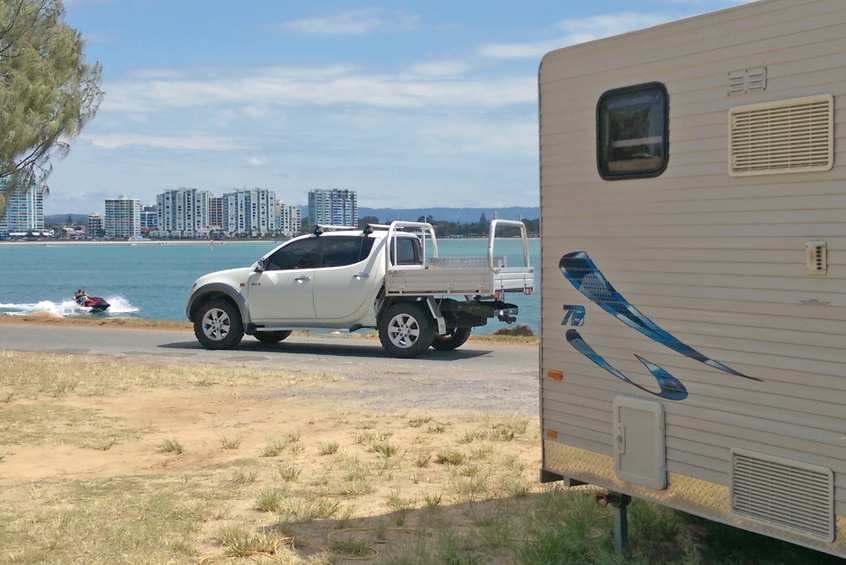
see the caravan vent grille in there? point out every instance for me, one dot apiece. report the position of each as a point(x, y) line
point(747, 80)
point(783, 494)
point(787, 136)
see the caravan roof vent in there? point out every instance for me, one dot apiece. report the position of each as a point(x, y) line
point(788, 495)
point(747, 80)
point(787, 136)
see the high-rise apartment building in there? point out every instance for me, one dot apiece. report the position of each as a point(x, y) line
point(334, 207)
point(289, 218)
point(24, 210)
point(216, 216)
point(250, 211)
point(122, 218)
point(96, 226)
point(149, 219)
point(183, 213)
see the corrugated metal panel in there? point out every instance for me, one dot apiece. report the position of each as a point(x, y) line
point(719, 262)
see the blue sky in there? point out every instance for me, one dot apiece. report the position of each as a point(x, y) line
point(411, 104)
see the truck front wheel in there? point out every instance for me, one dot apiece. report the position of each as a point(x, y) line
point(453, 339)
point(217, 324)
point(405, 330)
point(272, 337)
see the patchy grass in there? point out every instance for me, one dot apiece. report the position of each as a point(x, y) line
point(43, 318)
point(93, 470)
point(171, 446)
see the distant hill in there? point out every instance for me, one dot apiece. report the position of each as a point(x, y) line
point(459, 215)
point(57, 219)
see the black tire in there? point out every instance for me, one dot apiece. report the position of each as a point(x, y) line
point(218, 325)
point(272, 337)
point(453, 339)
point(405, 330)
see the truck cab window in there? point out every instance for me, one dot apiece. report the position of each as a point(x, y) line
point(345, 250)
point(300, 254)
point(632, 138)
point(408, 252)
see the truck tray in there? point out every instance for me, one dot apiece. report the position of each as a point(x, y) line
point(476, 281)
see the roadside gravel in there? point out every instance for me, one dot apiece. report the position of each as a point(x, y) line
point(480, 377)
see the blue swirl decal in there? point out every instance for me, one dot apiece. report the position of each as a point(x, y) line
point(671, 387)
point(583, 274)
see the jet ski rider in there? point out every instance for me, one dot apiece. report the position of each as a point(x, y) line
point(80, 297)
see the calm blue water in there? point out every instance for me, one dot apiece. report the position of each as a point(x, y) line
point(151, 281)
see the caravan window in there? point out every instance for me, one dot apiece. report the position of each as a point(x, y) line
point(632, 138)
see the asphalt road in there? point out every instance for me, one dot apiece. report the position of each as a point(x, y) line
point(479, 376)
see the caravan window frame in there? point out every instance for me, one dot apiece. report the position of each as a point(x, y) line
point(633, 132)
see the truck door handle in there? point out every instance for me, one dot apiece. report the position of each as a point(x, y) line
point(302, 279)
point(360, 276)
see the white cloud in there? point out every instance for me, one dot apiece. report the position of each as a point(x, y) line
point(518, 50)
point(440, 68)
point(507, 138)
point(706, 4)
point(606, 25)
point(354, 22)
point(286, 86)
point(200, 143)
point(576, 31)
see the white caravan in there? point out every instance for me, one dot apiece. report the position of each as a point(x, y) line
point(693, 248)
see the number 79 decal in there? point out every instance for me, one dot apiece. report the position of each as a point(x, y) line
point(584, 275)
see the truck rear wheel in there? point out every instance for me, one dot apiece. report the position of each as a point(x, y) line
point(405, 330)
point(453, 339)
point(218, 325)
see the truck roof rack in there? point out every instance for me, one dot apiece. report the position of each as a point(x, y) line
point(378, 226)
point(320, 228)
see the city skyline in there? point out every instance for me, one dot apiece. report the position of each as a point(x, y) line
point(410, 104)
point(144, 203)
point(181, 213)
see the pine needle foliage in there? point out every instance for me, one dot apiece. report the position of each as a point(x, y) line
point(47, 91)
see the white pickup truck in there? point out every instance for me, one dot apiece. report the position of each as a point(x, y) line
point(348, 279)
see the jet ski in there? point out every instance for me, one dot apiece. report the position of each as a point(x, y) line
point(95, 303)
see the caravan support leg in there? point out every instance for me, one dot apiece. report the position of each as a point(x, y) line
point(619, 502)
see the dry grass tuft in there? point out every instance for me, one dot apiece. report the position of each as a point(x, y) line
point(217, 474)
point(277, 470)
